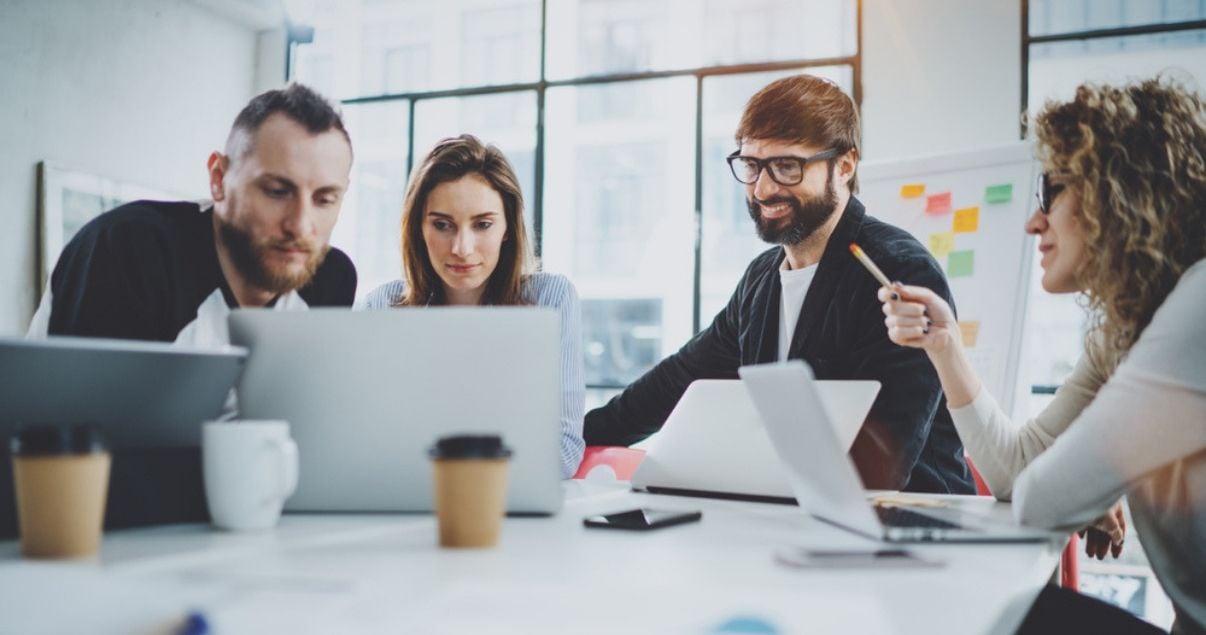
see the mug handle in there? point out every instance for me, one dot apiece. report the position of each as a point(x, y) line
point(286, 451)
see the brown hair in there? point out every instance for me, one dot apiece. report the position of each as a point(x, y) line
point(804, 109)
point(450, 160)
point(296, 101)
point(1136, 155)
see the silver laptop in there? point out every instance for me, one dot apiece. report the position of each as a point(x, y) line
point(713, 443)
point(367, 393)
point(825, 480)
point(140, 394)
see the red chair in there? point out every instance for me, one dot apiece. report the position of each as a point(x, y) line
point(620, 461)
point(1069, 569)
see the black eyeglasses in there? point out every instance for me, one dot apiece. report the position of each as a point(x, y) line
point(1047, 191)
point(783, 170)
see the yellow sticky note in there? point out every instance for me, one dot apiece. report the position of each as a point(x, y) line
point(970, 330)
point(967, 220)
point(912, 190)
point(942, 244)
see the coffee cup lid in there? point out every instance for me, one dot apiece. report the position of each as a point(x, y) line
point(470, 446)
point(57, 439)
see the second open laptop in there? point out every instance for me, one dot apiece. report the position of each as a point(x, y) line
point(825, 481)
point(714, 444)
point(367, 393)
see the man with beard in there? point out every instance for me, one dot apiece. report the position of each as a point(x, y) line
point(798, 151)
point(172, 271)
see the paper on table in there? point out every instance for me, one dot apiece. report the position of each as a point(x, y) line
point(904, 500)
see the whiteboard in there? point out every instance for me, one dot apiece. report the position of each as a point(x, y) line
point(970, 209)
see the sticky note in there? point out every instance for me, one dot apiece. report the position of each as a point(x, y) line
point(912, 190)
point(938, 203)
point(961, 264)
point(970, 330)
point(999, 193)
point(967, 220)
point(942, 244)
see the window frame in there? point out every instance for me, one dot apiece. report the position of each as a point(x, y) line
point(303, 35)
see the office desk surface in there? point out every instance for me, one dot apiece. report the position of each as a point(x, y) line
point(384, 573)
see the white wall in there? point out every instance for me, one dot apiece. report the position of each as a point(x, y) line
point(135, 90)
point(940, 76)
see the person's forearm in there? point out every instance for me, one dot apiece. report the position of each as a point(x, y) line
point(959, 379)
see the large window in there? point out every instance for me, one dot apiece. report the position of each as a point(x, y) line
point(617, 115)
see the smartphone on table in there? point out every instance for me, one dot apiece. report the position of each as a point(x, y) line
point(642, 519)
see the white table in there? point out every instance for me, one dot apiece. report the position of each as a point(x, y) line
point(384, 573)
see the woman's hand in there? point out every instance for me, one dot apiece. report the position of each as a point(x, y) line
point(1106, 534)
point(919, 318)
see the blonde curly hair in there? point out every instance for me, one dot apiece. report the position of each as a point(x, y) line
point(1137, 155)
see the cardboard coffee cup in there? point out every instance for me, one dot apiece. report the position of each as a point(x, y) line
point(470, 489)
point(61, 476)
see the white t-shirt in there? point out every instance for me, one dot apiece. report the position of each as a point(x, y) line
point(794, 285)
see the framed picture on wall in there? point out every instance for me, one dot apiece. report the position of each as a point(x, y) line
point(68, 199)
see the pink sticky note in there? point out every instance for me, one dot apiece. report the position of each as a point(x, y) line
point(938, 203)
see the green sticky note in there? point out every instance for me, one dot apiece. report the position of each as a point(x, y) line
point(999, 193)
point(961, 264)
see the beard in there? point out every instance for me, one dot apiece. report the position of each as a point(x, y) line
point(250, 259)
point(805, 218)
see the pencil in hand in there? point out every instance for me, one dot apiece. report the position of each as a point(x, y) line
point(875, 271)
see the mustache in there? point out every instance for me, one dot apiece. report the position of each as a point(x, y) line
point(774, 200)
point(293, 245)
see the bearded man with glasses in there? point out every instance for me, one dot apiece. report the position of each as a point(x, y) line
point(806, 298)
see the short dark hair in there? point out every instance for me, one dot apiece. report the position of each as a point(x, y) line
point(804, 109)
point(297, 102)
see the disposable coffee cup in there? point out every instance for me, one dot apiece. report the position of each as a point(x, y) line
point(470, 474)
point(61, 477)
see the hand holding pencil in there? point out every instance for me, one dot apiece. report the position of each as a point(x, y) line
point(915, 316)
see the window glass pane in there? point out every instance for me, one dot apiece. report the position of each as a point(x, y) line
point(1056, 69)
point(373, 47)
point(619, 219)
point(1066, 16)
point(592, 37)
point(728, 241)
point(507, 120)
point(368, 222)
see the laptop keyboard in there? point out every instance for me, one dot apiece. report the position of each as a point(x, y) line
point(900, 517)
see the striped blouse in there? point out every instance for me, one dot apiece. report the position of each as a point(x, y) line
point(550, 290)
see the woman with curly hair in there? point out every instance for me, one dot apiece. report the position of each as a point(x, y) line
point(1121, 219)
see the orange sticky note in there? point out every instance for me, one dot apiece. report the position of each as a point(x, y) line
point(970, 330)
point(912, 190)
point(967, 220)
point(938, 203)
point(942, 244)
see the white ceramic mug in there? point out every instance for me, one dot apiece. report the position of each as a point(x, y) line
point(250, 469)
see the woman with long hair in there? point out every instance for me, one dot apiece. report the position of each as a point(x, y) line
point(464, 242)
point(1121, 220)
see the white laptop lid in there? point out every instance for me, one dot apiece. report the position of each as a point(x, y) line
point(822, 476)
point(714, 440)
point(367, 393)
